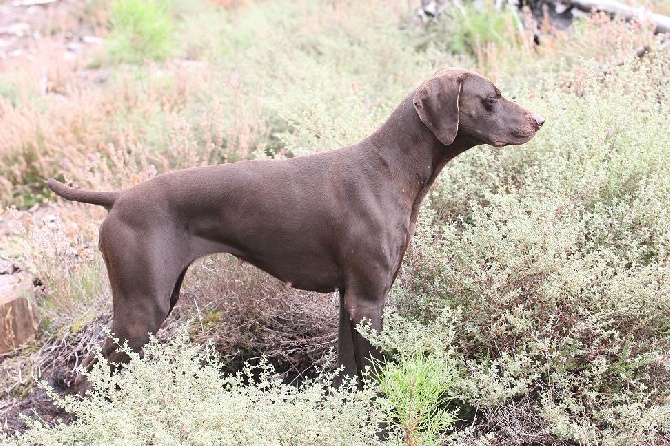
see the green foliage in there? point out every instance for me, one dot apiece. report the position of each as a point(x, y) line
point(414, 388)
point(470, 28)
point(419, 380)
point(141, 29)
point(9, 93)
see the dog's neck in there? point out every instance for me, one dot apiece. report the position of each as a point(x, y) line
point(412, 153)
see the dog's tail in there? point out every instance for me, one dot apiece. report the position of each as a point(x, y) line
point(104, 199)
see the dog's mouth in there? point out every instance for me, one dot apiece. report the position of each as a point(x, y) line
point(518, 135)
point(515, 138)
point(525, 136)
point(526, 132)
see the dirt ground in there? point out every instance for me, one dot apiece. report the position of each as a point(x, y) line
point(59, 363)
point(30, 29)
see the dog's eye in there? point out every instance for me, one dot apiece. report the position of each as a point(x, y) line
point(489, 101)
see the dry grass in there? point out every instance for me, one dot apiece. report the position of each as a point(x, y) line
point(247, 313)
point(121, 136)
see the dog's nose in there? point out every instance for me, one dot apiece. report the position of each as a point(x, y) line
point(539, 119)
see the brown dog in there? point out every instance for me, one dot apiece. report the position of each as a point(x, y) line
point(337, 220)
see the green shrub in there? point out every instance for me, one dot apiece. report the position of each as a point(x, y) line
point(419, 379)
point(141, 29)
point(470, 28)
point(476, 33)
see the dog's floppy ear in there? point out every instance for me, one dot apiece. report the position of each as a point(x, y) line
point(436, 102)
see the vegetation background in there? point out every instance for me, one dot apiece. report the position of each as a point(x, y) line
point(532, 308)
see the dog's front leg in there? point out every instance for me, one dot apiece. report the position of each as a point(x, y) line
point(355, 352)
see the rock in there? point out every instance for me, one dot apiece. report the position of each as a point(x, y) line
point(8, 267)
point(18, 312)
point(16, 29)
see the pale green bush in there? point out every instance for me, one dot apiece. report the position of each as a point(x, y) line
point(176, 395)
point(556, 255)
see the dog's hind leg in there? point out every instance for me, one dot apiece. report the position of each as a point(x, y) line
point(145, 273)
point(175, 291)
point(345, 344)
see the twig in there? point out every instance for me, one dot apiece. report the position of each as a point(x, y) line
point(613, 7)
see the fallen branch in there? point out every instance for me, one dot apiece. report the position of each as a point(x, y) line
point(33, 2)
point(616, 8)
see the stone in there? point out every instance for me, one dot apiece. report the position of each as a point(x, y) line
point(18, 312)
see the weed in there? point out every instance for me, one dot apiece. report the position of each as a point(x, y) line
point(419, 378)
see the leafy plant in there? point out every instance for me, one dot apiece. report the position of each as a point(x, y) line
point(419, 377)
point(471, 28)
point(141, 30)
point(416, 389)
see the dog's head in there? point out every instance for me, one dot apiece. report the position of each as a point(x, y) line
point(456, 102)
